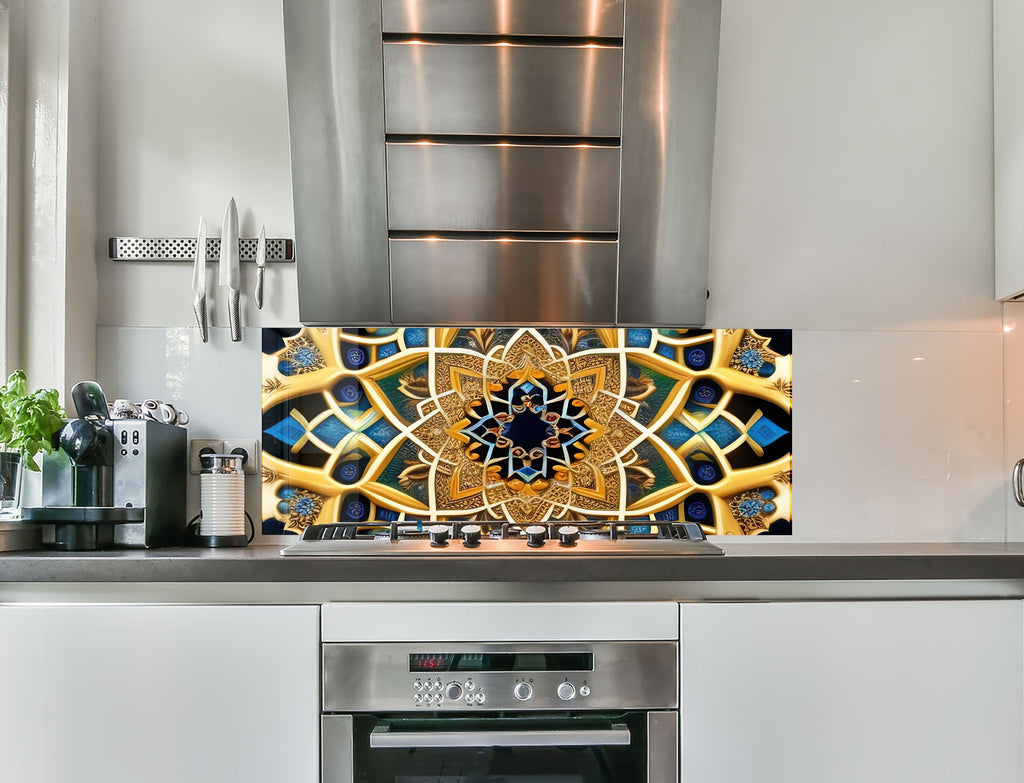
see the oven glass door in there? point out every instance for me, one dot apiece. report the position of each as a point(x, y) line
point(537, 748)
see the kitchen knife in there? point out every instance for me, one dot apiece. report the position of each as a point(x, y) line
point(261, 262)
point(199, 281)
point(229, 275)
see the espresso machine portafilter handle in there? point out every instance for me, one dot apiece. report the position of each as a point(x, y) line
point(90, 401)
point(89, 442)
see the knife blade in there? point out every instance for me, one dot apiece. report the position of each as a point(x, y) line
point(261, 262)
point(199, 282)
point(229, 275)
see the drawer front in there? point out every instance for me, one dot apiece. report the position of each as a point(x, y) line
point(502, 187)
point(595, 18)
point(502, 282)
point(502, 89)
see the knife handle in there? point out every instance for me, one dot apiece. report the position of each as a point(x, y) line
point(234, 317)
point(258, 294)
point(199, 306)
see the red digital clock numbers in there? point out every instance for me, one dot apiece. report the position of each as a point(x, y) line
point(430, 662)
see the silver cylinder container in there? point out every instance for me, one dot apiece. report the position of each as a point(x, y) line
point(222, 495)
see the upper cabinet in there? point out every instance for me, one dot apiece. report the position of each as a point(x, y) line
point(486, 162)
point(1008, 129)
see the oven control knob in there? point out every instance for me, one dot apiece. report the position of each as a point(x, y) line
point(568, 535)
point(522, 691)
point(438, 535)
point(566, 691)
point(471, 535)
point(584, 690)
point(535, 535)
point(453, 691)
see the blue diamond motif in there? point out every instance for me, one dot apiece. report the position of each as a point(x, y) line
point(381, 432)
point(765, 432)
point(676, 434)
point(722, 432)
point(331, 431)
point(288, 430)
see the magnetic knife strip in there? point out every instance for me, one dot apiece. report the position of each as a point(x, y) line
point(279, 251)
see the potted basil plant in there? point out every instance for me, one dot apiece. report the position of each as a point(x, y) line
point(28, 422)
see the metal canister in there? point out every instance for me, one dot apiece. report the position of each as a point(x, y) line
point(222, 495)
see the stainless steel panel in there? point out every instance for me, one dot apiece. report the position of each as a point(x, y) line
point(670, 78)
point(336, 749)
point(151, 473)
point(599, 18)
point(382, 737)
point(509, 548)
point(376, 677)
point(336, 121)
point(494, 282)
point(502, 187)
point(496, 89)
point(663, 747)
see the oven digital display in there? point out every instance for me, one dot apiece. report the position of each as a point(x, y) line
point(502, 662)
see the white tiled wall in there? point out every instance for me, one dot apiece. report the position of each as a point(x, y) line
point(896, 436)
point(216, 383)
point(1013, 407)
point(852, 202)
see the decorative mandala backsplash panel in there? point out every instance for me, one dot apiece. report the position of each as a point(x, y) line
point(528, 425)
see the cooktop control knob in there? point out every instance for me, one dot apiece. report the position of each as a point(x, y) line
point(471, 535)
point(438, 535)
point(535, 535)
point(566, 691)
point(522, 691)
point(568, 535)
point(453, 691)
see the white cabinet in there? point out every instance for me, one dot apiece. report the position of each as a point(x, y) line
point(159, 694)
point(1008, 134)
point(852, 692)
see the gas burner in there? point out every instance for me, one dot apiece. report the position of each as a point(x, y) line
point(467, 538)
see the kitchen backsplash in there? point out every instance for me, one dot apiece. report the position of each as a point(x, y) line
point(897, 435)
point(527, 425)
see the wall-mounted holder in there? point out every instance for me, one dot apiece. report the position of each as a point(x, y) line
point(279, 251)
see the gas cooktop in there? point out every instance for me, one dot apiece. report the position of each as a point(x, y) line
point(502, 538)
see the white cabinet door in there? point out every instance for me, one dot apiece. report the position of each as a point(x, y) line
point(852, 692)
point(1008, 119)
point(159, 694)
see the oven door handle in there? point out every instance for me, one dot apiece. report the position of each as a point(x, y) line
point(382, 737)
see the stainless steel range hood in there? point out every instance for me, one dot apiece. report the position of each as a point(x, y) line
point(502, 161)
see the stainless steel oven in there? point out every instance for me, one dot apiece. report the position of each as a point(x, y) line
point(520, 712)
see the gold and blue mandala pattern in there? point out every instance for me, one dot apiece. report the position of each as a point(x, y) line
point(529, 426)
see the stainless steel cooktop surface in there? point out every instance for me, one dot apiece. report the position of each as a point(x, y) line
point(468, 539)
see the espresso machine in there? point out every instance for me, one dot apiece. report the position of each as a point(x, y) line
point(113, 483)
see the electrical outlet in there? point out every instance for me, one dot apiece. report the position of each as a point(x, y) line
point(199, 446)
point(249, 449)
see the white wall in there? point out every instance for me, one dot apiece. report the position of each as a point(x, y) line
point(194, 112)
point(852, 202)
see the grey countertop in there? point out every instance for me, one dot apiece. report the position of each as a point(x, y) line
point(744, 561)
